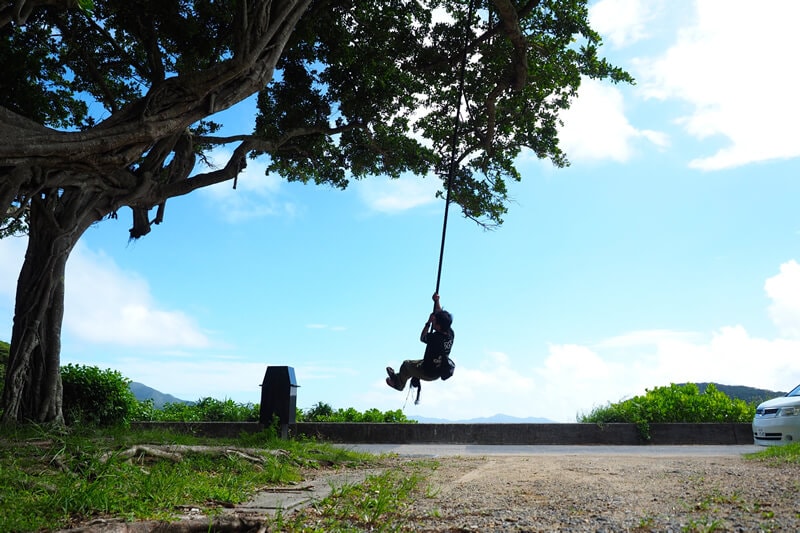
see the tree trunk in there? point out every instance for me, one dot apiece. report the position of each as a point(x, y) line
point(33, 390)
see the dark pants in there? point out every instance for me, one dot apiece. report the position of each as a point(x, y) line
point(412, 368)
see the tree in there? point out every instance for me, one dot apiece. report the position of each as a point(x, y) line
point(107, 106)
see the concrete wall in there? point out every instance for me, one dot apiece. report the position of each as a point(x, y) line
point(516, 434)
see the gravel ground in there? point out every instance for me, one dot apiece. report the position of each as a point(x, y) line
point(566, 493)
point(609, 493)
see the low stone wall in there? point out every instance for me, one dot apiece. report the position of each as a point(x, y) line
point(509, 434)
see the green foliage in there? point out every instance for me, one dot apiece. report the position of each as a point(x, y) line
point(778, 455)
point(53, 481)
point(360, 81)
point(338, 70)
point(211, 410)
point(673, 404)
point(322, 412)
point(96, 397)
point(204, 410)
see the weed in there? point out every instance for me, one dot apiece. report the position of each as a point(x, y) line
point(646, 522)
point(704, 525)
point(376, 504)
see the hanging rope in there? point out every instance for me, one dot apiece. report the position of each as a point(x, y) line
point(451, 171)
point(454, 141)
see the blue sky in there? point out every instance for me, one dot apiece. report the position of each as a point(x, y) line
point(667, 252)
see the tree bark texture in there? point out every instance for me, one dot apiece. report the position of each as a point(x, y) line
point(32, 389)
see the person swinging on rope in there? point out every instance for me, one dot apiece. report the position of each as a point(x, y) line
point(438, 337)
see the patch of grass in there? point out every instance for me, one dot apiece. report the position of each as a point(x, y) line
point(53, 479)
point(777, 455)
point(377, 504)
point(703, 525)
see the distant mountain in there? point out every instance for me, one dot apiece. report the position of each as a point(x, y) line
point(741, 392)
point(496, 419)
point(143, 392)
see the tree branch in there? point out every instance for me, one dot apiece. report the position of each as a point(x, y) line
point(171, 106)
point(509, 19)
point(271, 146)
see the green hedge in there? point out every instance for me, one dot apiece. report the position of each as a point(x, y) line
point(322, 412)
point(96, 397)
point(673, 404)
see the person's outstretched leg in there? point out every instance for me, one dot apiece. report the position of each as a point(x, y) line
point(409, 369)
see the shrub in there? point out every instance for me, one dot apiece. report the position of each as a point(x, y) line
point(319, 412)
point(226, 410)
point(673, 404)
point(96, 397)
point(204, 410)
point(322, 412)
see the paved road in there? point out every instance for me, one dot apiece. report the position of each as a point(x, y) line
point(442, 450)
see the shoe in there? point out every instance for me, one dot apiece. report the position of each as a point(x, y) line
point(390, 371)
point(392, 383)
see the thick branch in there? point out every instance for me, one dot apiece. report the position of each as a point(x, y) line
point(271, 146)
point(236, 163)
point(169, 107)
point(509, 19)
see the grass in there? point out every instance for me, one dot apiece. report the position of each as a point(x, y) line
point(778, 455)
point(53, 480)
point(380, 503)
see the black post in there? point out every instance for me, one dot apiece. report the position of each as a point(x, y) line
point(279, 398)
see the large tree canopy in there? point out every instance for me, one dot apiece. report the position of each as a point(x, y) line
point(108, 106)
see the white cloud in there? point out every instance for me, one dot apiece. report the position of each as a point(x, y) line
point(573, 379)
point(595, 126)
point(106, 305)
point(387, 195)
point(784, 290)
point(103, 304)
point(192, 380)
point(645, 337)
point(256, 195)
point(623, 22)
point(733, 66)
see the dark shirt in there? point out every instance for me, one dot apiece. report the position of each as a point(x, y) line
point(437, 349)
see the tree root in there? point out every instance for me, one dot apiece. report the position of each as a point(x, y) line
point(221, 524)
point(176, 452)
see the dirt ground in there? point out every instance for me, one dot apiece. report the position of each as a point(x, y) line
point(571, 493)
point(609, 493)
